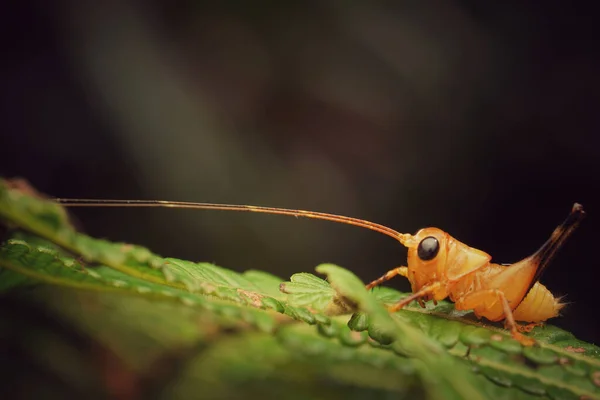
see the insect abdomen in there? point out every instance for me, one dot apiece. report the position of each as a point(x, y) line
point(538, 305)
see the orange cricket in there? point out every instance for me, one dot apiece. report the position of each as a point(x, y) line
point(439, 266)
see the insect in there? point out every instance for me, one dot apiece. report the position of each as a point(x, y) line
point(439, 266)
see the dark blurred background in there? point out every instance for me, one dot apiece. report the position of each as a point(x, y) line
point(476, 117)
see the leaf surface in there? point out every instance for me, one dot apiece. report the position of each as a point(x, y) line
point(223, 331)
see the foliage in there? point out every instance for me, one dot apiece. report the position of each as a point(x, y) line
point(140, 325)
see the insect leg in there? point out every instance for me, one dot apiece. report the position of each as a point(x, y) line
point(493, 304)
point(402, 271)
point(423, 292)
point(529, 327)
point(510, 323)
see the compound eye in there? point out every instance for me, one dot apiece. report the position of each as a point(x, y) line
point(428, 248)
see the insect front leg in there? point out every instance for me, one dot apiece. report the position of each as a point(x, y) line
point(423, 292)
point(485, 303)
point(402, 271)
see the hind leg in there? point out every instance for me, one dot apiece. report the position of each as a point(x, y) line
point(489, 300)
point(529, 327)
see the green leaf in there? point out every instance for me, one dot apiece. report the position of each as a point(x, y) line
point(446, 378)
point(308, 290)
point(185, 328)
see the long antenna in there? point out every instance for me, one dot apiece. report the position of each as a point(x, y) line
point(401, 237)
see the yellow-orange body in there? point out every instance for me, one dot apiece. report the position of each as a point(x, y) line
point(439, 267)
point(467, 277)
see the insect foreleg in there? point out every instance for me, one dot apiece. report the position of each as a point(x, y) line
point(402, 271)
point(423, 292)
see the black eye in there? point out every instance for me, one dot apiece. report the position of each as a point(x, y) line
point(428, 248)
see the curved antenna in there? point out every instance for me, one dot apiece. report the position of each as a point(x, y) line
point(401, 237)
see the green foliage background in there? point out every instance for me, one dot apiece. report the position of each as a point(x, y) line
point(87, 317)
